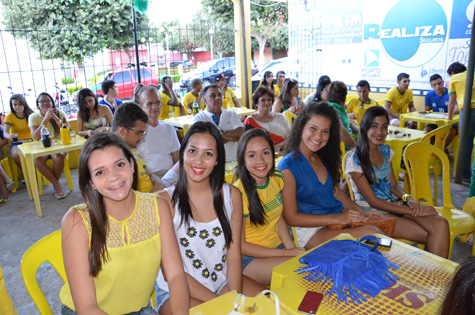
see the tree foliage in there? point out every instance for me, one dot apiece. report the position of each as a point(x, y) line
point(72, 29)
point(268, 21)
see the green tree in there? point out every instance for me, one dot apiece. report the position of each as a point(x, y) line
point(73, 29)
point(268, 21)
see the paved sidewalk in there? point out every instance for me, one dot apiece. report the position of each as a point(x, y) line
point(20, 227)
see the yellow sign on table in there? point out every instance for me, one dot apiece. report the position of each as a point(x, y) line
point(424, 280)
point(29, 151)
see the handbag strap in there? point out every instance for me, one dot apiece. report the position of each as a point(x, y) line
point(242, 297)
point(371, 237)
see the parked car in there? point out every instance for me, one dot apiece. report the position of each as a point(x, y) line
point(126, 80)
point(186, 64)
point(274, 66)
point(209, 71)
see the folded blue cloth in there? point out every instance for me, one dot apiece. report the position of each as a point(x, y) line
point(351, 266)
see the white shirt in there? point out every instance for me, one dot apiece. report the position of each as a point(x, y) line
point(157, 147)
point(229, 120)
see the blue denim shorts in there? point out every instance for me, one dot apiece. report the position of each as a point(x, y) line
point(148, 310)
point(246, 259)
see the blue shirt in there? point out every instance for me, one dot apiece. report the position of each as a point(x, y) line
point(436, 102)
point(104, 102)
point(313, 197)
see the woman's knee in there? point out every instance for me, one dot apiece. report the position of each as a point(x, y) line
point(369, 230)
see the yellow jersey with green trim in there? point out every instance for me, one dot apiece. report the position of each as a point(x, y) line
point(228, 98)
point(277, 90)
point(18, 126)
point(354, 105)
point(266, 235)
point(167, 109)
point(145, 184)
point(399, 102)
point(188, 99)
point(457, 87)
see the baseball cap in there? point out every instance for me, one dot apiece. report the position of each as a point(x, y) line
point(221, 76)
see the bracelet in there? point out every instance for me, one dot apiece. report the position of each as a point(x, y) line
point(404, 197)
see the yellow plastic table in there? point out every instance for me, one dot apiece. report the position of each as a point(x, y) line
point(427, 118)
point(424, 282)
point(30, 151)
point(243, 111)
point(397, 144)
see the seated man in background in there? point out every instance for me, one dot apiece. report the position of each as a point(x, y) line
point(363, 100)
point(437, 100)
point(280, 77)
point(227, 121)
point(110, 90)
point(230, 99)
point(399, 100)
point(170, 102)
point(160, 147)
point(194, 95)
point(130, 123)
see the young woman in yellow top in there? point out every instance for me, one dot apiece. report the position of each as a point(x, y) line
point(114, 244)
point(16, 125)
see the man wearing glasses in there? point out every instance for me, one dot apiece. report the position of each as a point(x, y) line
point(130, 123)
point(160, 146)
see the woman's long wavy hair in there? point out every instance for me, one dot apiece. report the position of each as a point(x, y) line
point(53, 122)
point(269, 85)
point(216, 180)
point(256, 211)
point(330, 154)
point(362, 142)
point(83, 110)
point(284, 95)
point(27, 111)
point(98, 253)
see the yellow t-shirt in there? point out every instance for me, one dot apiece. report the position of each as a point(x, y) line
point(228, 98)
point(354, 105)
point(457, 86)
point(277, 90)
point(266, 235)
point(18, 126)
point(127, 279)
point(166, 109)
point(399, 102)
point(188, 99)
point(145, 184)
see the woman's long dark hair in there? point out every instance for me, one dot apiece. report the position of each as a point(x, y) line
point(83, 111)
point(323, 81)
point(216, 180)
point(285, 92)
point(362, 145)
point(330, 154)
point(27, 111)
point(269, 85)
point(53, 123)
point(256, 211)
point(461, 296)
point(98, 253)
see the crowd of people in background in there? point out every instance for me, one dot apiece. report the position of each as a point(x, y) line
point(158, 213)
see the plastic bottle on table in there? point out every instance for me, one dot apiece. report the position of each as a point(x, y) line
point(196, 108)
point(45, 136)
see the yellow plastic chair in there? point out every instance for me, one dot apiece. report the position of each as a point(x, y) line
point(47, 249)
point(66, 170)
point(10, 168)
point(438, 136)
point(6, 304)
point(417, 157)
point(290, 117)
point(455, 146)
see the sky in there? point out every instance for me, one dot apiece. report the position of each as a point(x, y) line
point(169, 10)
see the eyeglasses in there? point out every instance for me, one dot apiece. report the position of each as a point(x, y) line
point(149, 105)
point(139, 133)
point(48, 101)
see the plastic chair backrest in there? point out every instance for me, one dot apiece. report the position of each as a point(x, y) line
point(417, 156)
point(47, 249)
point(439, 135)
point(290, 117)
point(343, 169)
